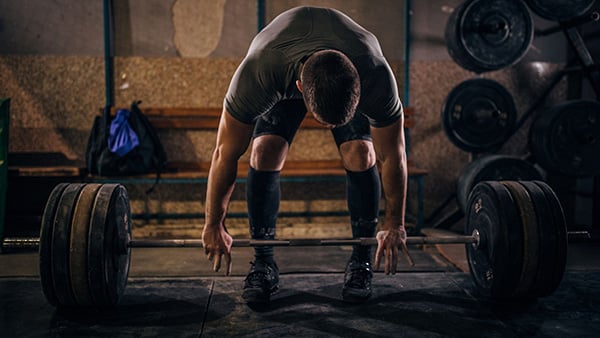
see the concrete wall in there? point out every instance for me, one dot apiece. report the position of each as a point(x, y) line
point(182, 53)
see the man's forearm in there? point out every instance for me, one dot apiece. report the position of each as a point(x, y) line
point(394, 178)
point(221, 182)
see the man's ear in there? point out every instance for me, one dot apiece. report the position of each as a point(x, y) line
point(299, 85)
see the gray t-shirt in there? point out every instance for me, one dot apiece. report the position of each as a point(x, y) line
point(269, 71)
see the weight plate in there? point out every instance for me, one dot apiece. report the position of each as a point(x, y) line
point(60, 245)
point(118, 230)
point(495, 264)
point(493, 168)
point(566, 138)
point(560, 10)
point(531, 244)
point(483, 35)
point(108, 267)
point(45, 248)
point(560, 227)
point(79, 245)
point(479, 115)
point(548, 240)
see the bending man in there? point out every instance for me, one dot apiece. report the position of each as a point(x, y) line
point(313, 60)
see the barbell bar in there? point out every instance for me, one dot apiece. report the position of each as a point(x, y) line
point(32, 243)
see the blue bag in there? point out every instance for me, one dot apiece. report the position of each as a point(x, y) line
point(122, 138)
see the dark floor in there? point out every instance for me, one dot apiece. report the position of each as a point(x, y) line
point(171, 293)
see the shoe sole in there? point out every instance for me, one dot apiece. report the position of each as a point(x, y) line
point(353, 298)
point(258, 295)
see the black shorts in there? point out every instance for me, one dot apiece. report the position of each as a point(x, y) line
point(285, 118)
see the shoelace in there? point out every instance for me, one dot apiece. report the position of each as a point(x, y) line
point(256, 277)
point(359, 277)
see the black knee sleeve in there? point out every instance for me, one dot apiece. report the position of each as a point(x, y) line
point(363, 191)
point(262, 195)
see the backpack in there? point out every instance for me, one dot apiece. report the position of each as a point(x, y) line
point(138, 148)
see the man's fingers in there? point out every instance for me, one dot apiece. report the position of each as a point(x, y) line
point(394, 259)
point(217, 263)
point(388, 260)
point(228, 264)
point(378, 255)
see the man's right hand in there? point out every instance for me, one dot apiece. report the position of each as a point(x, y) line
point(217, 243)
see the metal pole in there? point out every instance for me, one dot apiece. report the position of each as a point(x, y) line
point(4, 124)
point(196, 243)
point(109, 53)
point(32, 243)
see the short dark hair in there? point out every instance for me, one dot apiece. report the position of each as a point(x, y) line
point(330, 87)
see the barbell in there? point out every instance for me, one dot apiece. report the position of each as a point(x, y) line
point(516, 242)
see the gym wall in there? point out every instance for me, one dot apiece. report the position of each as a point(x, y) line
point(182, 53)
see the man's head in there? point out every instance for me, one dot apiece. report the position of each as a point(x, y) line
point(330, 86)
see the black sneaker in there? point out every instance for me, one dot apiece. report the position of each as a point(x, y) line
point(261, 282)
point(357, 281)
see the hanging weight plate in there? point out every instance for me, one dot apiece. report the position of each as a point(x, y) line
point(79, 245)
point(45, 248)
point(560, 227)
point(493, 168)
point(566, 138)
point(60, 245)
point(108, 266)
point(531, 244)
point(495, 264)
point(560, 10)
point(479, 115)
point(483, 35)
point(548, 241)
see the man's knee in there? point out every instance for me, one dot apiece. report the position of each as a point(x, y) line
point(358, 155)
point(268, 152)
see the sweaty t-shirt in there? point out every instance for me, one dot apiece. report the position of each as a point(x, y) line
point(269, 71)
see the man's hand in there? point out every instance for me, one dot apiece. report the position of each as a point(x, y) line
point(217, 242)
point(387, 246)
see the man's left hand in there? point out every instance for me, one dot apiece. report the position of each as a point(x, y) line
point(388, 242)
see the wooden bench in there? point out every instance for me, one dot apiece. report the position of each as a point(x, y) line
point(197, 172)
point(293, 170)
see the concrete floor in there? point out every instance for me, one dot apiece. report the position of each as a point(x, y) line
point(172, 293)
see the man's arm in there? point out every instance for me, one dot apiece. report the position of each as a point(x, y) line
point(391, 154)
point(233, 138)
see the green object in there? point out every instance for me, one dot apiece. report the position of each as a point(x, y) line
point(4, 119)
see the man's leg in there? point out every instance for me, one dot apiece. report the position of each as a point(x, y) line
point(272, 136)
point(363, 187)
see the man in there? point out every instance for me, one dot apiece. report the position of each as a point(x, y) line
point(313, 60)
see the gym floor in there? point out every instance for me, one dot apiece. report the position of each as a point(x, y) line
point(172, 293)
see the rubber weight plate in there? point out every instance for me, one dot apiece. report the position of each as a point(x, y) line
point(61, 236)
point(566, 138)
point(45, 248)
point(493, 168)
point(548, 240)
point(559, 225)
point(531, 244)
point(108, 264)
point(495, 264)
point(479, 115)
point(483, 35)
point(79, 245)
point(560, 10)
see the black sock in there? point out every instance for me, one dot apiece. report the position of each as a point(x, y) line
point(263, 195)
point(363, 192)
